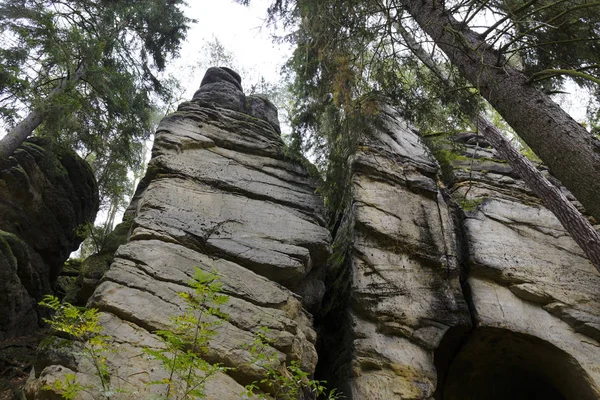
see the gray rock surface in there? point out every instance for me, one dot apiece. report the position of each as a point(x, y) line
point(46, 193)
point(529, 284)
point(219, 195)
point(405, 292)
point(221, 87)
point(470, 292)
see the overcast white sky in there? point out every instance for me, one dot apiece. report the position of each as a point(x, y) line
point(242, 30)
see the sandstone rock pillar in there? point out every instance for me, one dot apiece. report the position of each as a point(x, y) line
point(219, 195)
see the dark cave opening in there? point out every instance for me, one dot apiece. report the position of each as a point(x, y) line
point(498, 364)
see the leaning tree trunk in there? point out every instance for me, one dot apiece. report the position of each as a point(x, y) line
point(25, 128)
point(580, 228)
point(572, 220)
point(571, 153)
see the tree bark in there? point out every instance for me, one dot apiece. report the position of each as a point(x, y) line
point(14, 138)
point(572, 220)
point(25, 128)
point(571, 153)
point(576, 224)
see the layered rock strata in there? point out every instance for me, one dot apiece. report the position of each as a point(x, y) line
point(481, 294)
point(405, 292)
point(46, 194)
point(535, 296)
point(221, 196)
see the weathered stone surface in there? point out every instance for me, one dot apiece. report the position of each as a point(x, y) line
point(222, 87)
point(473, 291)
point(530, 287)
point(46, 193)
point(219, 195)
point(405, 292)
point(18, 307)
point(531, 293)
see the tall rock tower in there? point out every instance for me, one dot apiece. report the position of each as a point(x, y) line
point(219, 195)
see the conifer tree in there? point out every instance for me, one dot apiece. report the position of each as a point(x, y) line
point(84, 73)
point(511, 53)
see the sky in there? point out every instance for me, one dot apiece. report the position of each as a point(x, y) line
point(242, 30)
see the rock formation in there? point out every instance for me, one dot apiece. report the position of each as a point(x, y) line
point(219, 195)
point(495, 303)
point(404, 292)
point(46, 193)
point(449, 282)
point(534, 295)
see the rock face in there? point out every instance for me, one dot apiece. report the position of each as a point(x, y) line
point(405, 292)
point(221, 196)
point(442, 282)
point(495, 303)
point(45, 195)
point(535, 297)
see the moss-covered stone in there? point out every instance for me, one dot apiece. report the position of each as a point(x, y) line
point(71, 267)
point(93, 268)
point(46, 191)
point(16, 306)
point(7, 258)
point(469, 204)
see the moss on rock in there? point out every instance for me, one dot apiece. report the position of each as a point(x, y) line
point(93, 268)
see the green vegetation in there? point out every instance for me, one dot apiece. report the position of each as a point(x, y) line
point(82, 328)
point(347, 51)
point(85, 73)
point(185, 342)
point(286, 382)
point(188, 337)
point(469, 204)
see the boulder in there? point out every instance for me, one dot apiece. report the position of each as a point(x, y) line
point(46, 194)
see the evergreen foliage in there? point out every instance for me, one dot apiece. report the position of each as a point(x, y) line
point(89, 69)
point(349, 50)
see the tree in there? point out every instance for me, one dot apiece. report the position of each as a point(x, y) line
point(574, 222)
point(355, 43)
point(571, 153)
point(86, 71)
point(352, 48)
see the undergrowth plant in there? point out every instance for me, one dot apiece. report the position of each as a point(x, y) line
point(81, 326)
point(186, 341)
point(284, 382)
point(188, 336)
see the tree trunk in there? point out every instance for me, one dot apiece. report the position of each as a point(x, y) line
point(25, 128)
point(14, 138)
point(572, 220)
point(576, 224)
point(571, 153)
